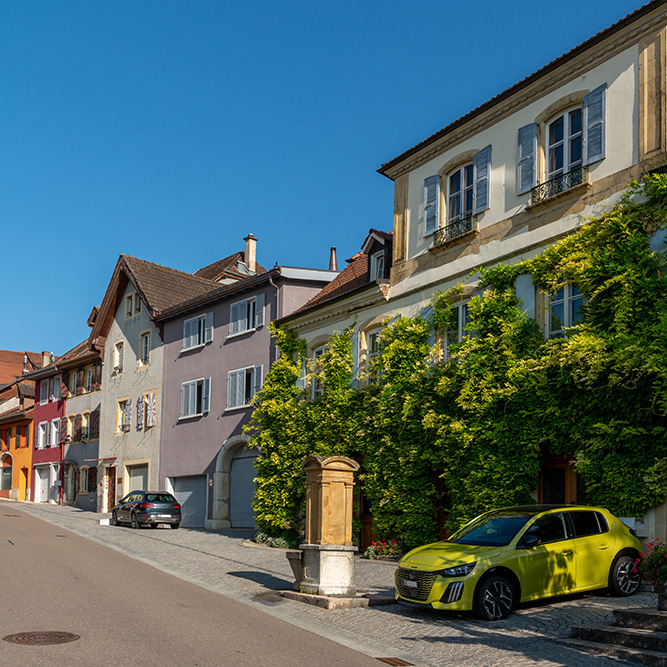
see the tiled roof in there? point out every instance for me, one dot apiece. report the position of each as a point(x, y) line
point(352, 277)
point(11, 364)
point(15, 414)
point(226, 267)
point(649, 6)
point(79, 349)
point(163, 287)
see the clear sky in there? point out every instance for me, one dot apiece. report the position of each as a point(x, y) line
point(169, 129)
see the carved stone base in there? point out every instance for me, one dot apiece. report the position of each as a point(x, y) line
point(328, 569)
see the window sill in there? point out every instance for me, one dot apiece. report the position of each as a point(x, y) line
point(184, 418)
point(238, 407)
point(194, 348)
point(241, 333)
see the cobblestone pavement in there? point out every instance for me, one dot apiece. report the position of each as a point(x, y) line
point(218, 561)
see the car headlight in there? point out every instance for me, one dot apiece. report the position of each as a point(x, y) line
point(458, 570)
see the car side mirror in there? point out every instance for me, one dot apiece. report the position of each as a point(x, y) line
point(529, 541)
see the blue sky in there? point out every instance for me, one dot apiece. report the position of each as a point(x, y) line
point(170, 129)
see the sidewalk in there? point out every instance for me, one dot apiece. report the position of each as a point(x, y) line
point(218, 561)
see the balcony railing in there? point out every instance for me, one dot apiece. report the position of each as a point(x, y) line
point(559, 184)
point(455, 229)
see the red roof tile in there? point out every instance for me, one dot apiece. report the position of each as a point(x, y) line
point(11, 364)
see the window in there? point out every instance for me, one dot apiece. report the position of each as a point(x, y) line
point(377, 266)
point(198, 331)
point(588, 523)
point(137, 304)
point(372, 351)
point(195, 397)
point(43, 392)
point(317, 388)
point(565, 310)
point(118, 354)
point(549, 528)
point(458, 328)
point(145, 347)
point(129, 310)
point(123, 415)
point(74, 382)
point(246, 315)
point(467, 193)
point(83, 479)
point(89, 379)
point(242, 385)
point(42, 435)
point(54, 388)
point(132, 305)
point(17, 438)
point(85, 426)
point(55, 433)
point(573, 139)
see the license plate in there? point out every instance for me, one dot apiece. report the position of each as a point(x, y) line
point(410, 584)
point(164, 516)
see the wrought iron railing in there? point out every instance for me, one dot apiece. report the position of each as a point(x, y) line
point(455, 229)
point(559, 184)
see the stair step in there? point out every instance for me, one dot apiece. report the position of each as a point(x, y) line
point(642, 656)
point(649, 619)
point(639, 638)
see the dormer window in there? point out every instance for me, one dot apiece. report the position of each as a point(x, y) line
point(377, 266)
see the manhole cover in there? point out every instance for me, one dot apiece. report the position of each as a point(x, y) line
point(41, 638)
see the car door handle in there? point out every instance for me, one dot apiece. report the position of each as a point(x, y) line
point(602, 547)
point(569, 552)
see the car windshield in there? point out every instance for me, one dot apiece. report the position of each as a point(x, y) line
point(492, 530)
point(160, 498)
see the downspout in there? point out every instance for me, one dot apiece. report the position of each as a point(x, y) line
point(272, 348)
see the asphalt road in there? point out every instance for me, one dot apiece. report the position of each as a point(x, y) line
point(128, 613)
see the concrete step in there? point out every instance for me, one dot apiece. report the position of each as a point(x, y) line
point(642, 656)
point(649, 619)
point(638, 638)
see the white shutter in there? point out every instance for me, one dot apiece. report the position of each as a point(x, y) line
point(482, 179)
point(127, 417)
point(257, 379)
point(259, 311)
point(594, 125)
point(206, 395)
point(140, 413)
point(208, 327)
point(431, 202)
point(150, 409)
point(526, 167)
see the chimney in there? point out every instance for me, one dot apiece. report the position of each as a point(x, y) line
point(333, 262)
point(25, 363)
point(250, 254)
point(46, 359)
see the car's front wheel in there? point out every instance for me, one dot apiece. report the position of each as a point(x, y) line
point(133, 521)
point(114, 520)
point(625, 576)
point(494, 599)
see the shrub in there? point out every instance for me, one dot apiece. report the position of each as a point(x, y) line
point(383, 550)
point(653, 565)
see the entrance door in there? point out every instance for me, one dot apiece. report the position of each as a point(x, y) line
point(138, 477)
point(110, 482)
point(559, 482)
point(242, 488)
point(6, 476)
point(42, 484)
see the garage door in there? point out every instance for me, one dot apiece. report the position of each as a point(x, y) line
point(138, 477)
point(242, 488)
point(191, 494)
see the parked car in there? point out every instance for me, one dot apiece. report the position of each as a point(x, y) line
point(145, 507)
point(519, 554)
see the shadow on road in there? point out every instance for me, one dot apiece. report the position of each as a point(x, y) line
point(266, 580)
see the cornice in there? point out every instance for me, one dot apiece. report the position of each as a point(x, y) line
point(545, 83)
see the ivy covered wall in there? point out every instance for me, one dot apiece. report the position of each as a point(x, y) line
point(480, 421)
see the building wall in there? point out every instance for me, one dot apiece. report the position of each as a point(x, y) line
point(133, 447)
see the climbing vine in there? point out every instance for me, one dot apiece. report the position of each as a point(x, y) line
point(470, 432)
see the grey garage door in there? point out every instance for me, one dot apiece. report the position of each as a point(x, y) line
point(191, 494)
point(242, 488)
point(138, 477)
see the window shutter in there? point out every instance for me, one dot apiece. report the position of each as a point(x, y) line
point(127, 417)
point(140, 413)
point(63, 429)
point(185, 391)
point(206, 395)
point(482, 179)
point(431, 201)
point(64, 385)
point(95, 423)
point(92, 478)
point(187, 328)
point(98, 377)
point(150, 409)
point(80, 379)
point(257, 377)
point(526, 167)
point(76, 435)
point(594, 125)
point(235, 317)
point(259, 311)
point(235, 389)
point(208, 327)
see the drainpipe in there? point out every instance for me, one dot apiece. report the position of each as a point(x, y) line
point(272, 348)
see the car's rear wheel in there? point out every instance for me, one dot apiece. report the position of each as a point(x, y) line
point(494, 599)
point(625, 577)
point(175, 525)
point(133, 521)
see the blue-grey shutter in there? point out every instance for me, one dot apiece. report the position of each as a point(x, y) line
point(185, 399)
point(235, 315)
point(482, 179)
point(431, 204)
point(257, 380)
point(526, 166)
point(206, 395)
point(232, 382)
point(259, 311)
point(208, 327)
point(594, 125)
point(187, 328)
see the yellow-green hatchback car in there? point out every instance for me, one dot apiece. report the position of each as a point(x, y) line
point(517, 554)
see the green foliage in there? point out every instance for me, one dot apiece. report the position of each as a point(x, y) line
point(480, 423)
point(653, 565)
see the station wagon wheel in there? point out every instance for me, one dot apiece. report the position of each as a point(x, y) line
point(624, 576)
point(114, 519)
point(494, 599)
point(133, 521)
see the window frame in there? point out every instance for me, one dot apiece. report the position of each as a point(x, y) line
point(377, 265)
point(201, 400)
point(203, 334)
point(316, 390)
point(566, 143)
point(83, 479)
point(254, 314)
point(54, 432)
point(462, 320)
point(567, 302)
point(118, 357)
point(122, 425)
point(249, 390)
point(42, 435)
point(44, 389)
point(145, 348)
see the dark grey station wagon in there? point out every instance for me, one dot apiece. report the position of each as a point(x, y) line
point(145, 507)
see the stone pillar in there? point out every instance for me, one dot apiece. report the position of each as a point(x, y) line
point(328, 567)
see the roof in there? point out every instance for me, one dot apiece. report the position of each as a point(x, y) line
point(227, 268)
point(11, 364)
point(16, 414)
point(554, 64)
